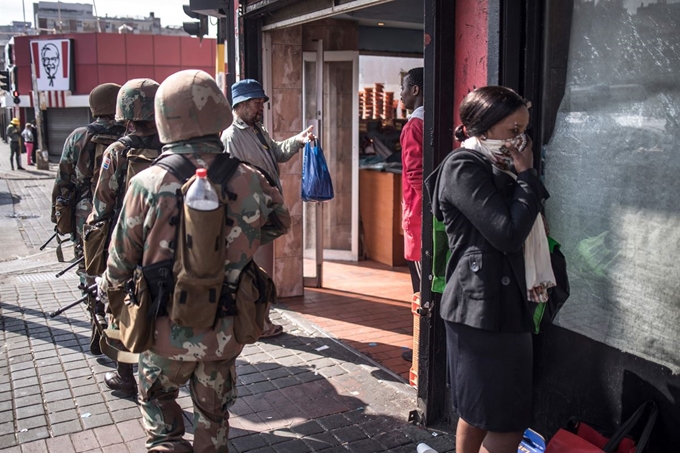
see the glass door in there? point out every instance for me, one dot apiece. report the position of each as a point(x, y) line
point(331, 104)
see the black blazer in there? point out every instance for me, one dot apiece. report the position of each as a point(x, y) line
point(488, 216)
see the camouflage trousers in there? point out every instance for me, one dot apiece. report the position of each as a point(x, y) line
point(213, 390)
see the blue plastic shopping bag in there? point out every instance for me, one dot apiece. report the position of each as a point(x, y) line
point(316, 179)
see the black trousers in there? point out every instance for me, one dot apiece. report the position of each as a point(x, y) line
point(415, 271)
point(15, 153)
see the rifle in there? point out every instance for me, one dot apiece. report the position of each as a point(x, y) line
point(42, 247)
point(92, 290)
point(71, 266)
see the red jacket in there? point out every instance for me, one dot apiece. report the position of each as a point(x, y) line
point(412, 184)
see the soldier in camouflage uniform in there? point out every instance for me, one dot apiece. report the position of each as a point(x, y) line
point(78, 175)
point(135, 109)
point(190, 113)
point(248, 140)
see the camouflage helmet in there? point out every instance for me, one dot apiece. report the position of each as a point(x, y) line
point(135, 100)
point(103, 99)
point(189, 104)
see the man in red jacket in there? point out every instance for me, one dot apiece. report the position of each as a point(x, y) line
point(412, 172)
point(412, 176)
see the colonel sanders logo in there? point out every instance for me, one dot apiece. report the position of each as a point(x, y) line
point(50, 61)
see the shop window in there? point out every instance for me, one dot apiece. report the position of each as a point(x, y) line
point(612, 168)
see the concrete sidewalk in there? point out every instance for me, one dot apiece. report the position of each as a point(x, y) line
point(299, 392)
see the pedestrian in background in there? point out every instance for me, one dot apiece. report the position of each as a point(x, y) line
point(27, 135)
point(248, 140)
point(411, 140)
point(13, 135)
point(489, 197)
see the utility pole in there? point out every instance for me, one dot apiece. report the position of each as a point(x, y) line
point(230, 34)
point(219, 58)
point(42, 156)
point(23, 7)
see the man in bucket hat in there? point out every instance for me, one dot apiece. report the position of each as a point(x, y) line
point(248, 140)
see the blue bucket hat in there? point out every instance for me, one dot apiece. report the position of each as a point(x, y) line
point(246, 89)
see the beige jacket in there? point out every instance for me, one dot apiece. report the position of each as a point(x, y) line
point(241, 141)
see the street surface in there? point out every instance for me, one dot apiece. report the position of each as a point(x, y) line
point(300, 392)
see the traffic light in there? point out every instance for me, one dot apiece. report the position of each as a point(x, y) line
point(198, 29)
point(15, 93)
point(4, 80)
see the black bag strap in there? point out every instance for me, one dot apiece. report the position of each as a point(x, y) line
point(131, 141)
point(179, 165)
point(139, 141)
point(629, 424)
point(222, 169)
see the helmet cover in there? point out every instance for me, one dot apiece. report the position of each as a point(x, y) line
point(136, 100)
point(189, 104)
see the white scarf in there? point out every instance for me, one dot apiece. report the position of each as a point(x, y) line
point(537, 265)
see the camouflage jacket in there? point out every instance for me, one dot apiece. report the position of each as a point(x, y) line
point(76, 172)
point(242, 142)
point(143, 236)
point(112, 173)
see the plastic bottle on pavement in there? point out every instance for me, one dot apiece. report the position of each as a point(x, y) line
point(201, 196)
point(424, 448)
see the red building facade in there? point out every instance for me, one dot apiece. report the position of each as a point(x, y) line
point(100, 58)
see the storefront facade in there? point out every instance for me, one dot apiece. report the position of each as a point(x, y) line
point(601, 78)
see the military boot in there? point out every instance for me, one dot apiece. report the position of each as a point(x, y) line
point(122, 379)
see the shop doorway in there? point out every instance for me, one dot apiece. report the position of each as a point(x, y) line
point(353, 245)
point(330, 229)
point(356, 283)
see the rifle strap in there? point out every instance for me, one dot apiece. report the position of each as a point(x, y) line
point(60, 252)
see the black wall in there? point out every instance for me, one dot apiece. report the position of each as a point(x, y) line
point(576, 376)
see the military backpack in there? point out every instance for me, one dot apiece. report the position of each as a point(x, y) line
point(191, 288)
point(140, 152)
point(64, 214)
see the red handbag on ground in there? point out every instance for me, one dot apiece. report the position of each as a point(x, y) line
point(583, 438)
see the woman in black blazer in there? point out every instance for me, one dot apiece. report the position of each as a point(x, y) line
point(489, 197)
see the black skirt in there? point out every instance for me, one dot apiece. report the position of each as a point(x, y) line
point(491, 377)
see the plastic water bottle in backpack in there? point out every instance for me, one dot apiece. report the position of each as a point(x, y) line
point(201, 195)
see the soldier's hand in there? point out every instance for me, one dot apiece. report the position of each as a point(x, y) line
point(306, 135)
point(101, 290)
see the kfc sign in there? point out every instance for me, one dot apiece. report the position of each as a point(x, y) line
point(53, 60)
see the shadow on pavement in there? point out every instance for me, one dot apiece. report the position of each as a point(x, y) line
point(8, 198)
point(60, 336)
point(304, 411)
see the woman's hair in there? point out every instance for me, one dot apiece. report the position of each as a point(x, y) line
point(484, 107)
